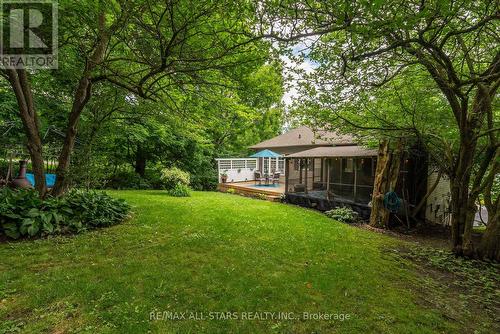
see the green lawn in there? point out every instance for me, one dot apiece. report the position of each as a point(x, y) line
point(215, 252)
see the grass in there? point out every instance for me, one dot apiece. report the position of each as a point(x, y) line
point(214, 253)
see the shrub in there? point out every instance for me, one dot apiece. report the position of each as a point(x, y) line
point(171, 177)
point(207, 181)
point(97, 209)
point(231, 191)
point(126, 179)
point(343, 214)
point(180, 190)
point(153, 176)
point(23, 213)
point(262, 196)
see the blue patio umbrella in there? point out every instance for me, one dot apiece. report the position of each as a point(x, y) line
point(266, 154)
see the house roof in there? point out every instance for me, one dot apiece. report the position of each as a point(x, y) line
point(335, 151)
point(304, 136)
point(265, 154)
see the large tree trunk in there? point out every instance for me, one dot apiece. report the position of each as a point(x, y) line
point(386, 177)
point(468, 182)
point(82, 95)
point(20, 84)
point(489, 248)
point(460, 208)
point(80, 99)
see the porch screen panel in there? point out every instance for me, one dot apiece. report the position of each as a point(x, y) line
point(293, 174)
point(364, 180)
point(335, 170)
point(342, 178)
point(348, 171)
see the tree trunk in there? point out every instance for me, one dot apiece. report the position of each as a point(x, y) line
point(386, 177)
point(82, 95)
point(140, 161)
point(80, 99)
point(489, 248)
point(460, 200)
point(20, 84)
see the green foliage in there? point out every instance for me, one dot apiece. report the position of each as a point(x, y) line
point(231, 191)
point(204, 180)
point(262, 196)
point(328, 267)
point(180, 190)
point(343, 214)
point(127, 179)
point(172, 177)
point(96, 209)
point(24, 214)
point(477, 281)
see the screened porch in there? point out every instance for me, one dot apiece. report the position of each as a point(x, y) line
point(331, 176)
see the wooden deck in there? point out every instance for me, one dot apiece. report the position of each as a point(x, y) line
point(250, 189)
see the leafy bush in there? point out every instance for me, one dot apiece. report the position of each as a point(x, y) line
point(127, 180)
point(207, 181)
point(180, 190)
point(23, 213)
point(172, 177)
point(231, 191)
point(153, 176)
point(343, 214)
point(262, 196)
point(97, 209)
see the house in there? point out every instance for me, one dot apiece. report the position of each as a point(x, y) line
point(323, 170)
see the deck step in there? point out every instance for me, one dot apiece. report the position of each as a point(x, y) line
point(267, 194)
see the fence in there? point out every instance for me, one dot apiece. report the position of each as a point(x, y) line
point(237, 169)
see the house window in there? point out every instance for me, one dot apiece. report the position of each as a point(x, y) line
point(281, 165)
point(273, 165)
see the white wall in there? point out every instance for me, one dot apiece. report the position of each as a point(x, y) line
point(438, 201)
point(243, 175)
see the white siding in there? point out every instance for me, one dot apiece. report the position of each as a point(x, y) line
point(438, 203)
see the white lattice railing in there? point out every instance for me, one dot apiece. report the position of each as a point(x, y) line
point(237, 169)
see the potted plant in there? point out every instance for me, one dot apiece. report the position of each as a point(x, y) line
point(223, 176)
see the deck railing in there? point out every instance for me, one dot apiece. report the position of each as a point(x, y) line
point(237, 169)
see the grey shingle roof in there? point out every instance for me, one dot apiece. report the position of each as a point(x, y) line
point(304, 136)
point(335, 151)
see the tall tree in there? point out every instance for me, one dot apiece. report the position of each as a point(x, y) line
point(368, 44)
point(150, 49)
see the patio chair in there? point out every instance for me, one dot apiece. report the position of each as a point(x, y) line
point(299, 188)
point(276, 177)
point(258, 177)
